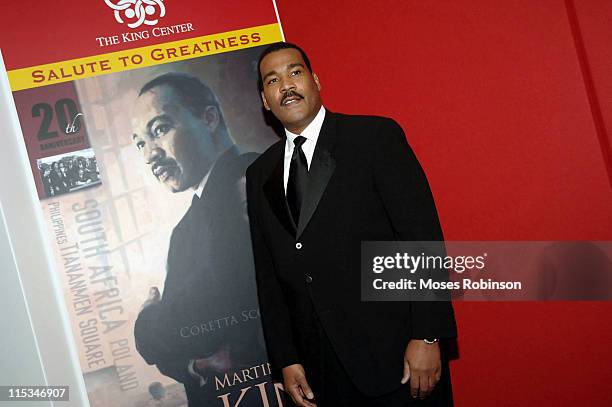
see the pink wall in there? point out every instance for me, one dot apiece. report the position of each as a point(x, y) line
point(493, 98)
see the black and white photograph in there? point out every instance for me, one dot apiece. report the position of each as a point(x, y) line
point(69, 172)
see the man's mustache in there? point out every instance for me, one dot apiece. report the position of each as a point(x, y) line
point(289, 94)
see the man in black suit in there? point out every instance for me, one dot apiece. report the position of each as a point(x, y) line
point(202, 325)
point(313, 197)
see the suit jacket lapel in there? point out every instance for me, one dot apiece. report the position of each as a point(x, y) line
point(321, 170)
point(274, 189)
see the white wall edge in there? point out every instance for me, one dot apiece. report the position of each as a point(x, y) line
point(29, 241)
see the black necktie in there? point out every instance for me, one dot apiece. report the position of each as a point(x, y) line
point(298, 172)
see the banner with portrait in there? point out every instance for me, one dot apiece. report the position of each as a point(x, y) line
point(138, 142)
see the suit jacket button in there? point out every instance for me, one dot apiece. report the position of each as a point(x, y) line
point(298, 245)
point(308, 279)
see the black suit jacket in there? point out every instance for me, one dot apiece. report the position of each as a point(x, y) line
point(209, 277)
point(365, 184)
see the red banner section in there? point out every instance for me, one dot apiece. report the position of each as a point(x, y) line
point(62, 30)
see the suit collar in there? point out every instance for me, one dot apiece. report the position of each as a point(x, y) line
point(217, 180)
point(274, 190)
point(321, 169)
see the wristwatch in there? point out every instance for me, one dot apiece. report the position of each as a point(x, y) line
point(431, 341)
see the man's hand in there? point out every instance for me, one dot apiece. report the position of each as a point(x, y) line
point(220, 361)
point(153, 297)
point(422, 366)
point(294, 380)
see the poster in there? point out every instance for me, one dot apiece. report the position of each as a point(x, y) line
point(138, 141)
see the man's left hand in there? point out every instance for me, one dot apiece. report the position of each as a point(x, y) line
point(154, 297)
point(422, 366)
point(220, 362)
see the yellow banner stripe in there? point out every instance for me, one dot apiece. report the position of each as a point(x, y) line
point(74, 69)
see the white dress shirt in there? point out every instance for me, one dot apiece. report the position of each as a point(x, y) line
point(311, 133)
point(198, 191)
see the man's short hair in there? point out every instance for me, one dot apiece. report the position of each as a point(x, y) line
point(277, 46)
point(194, 94)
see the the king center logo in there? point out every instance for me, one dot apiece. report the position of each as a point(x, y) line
point(135, 13)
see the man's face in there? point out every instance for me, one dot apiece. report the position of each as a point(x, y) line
point(176, 144)
point(290, 90)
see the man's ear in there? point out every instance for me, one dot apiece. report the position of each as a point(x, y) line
point(316, 79)
point(211, 117)
point(265, 102)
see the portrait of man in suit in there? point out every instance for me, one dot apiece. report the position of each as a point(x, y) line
point(334, 181)
point(197, 327)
